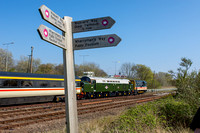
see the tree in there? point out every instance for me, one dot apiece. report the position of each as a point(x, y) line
point(3, 56)
point(183, 70)
point(36, 63)
point(79, 69)
point(59, 69)
point(139, 72)
point(182, 75)
point(22, 65)
point(187, 83)
point(128, 70)
point(143, 72)
point(46, 69)
point(163, 78)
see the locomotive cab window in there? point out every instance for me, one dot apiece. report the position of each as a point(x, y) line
point(86, 79)
point(78, 84)
point(144, 83)
point(82, 84)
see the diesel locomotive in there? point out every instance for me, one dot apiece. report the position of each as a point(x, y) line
point(103, 87)
point(19, 88)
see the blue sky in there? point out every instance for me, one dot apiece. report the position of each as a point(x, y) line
point(155, 33)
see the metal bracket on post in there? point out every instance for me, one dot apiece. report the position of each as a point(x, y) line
point(70, 91)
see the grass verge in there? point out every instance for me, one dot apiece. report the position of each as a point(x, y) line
point(162, 116)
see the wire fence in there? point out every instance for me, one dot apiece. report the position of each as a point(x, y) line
point(158, 90)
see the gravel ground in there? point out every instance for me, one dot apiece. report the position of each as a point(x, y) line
point(58, 126)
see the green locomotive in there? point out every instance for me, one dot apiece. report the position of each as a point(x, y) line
point(103, 87)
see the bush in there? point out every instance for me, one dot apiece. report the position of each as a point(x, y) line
point(137, 119)
point(168, 114)
point(177, 113)
point(188, 84)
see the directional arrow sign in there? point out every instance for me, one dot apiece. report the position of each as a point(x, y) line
point(96, 42)
point(92, 24)
point(51, 36)
point(48, 15)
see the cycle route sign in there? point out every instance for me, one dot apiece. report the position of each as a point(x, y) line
point(92, 24)
point(96, 42)
point(51, 36)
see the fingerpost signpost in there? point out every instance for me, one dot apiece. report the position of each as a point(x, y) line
point(68, 44)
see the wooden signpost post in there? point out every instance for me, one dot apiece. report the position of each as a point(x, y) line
point(68, 44)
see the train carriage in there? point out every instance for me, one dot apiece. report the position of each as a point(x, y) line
point(17, 88)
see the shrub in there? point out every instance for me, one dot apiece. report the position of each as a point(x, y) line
point(177, 113)
point(137, 119)
point(168, 114)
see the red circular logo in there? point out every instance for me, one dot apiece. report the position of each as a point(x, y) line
point(105, 22)
point(111, 40)
point(45, 32)
point(47, 13)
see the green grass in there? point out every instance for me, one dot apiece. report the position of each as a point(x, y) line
point(166, 114)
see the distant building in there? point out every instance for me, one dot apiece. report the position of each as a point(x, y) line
point(119, 76)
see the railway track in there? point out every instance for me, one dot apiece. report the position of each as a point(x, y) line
point(12, 117)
